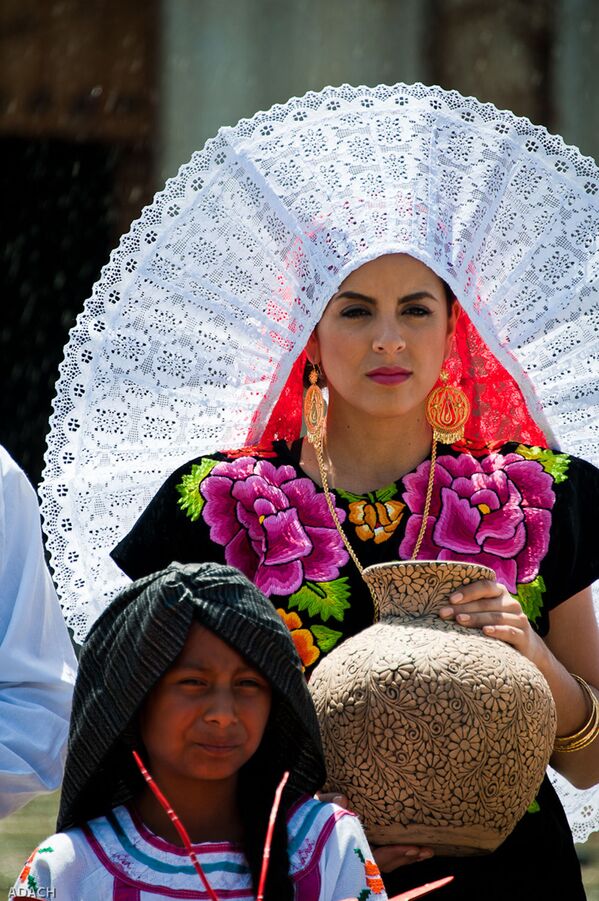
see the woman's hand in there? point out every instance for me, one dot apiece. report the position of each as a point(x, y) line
point(390, 857)
point(489, 606)
point(387, 857)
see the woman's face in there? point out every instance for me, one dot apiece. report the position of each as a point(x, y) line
point(206, 716)
point(383, 337)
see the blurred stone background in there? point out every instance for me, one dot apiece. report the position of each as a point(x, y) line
point(102, 100)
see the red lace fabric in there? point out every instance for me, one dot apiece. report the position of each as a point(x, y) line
point(499, 413)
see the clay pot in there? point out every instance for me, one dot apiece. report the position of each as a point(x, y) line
point(437, 734)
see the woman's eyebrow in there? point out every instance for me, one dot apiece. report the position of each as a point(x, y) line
point(418, 295)
point(353, 295)
point(357, 295)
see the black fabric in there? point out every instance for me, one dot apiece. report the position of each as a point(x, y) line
point(538, 860)
point(135, 641)
point(164, 533)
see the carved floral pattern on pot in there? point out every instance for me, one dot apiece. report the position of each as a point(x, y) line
point(438, 734)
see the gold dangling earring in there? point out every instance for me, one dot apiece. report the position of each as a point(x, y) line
point(447, 411)
point(314, 409)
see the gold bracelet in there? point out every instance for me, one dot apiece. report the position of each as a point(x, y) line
point(589, 732)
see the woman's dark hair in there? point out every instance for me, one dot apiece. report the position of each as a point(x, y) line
point(449, 296)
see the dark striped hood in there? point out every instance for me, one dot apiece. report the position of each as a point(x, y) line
point(134, 642)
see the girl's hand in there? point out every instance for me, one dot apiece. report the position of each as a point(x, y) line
point(387, 857)
point(490, 607)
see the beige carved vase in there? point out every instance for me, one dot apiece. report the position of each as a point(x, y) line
point(438, 735)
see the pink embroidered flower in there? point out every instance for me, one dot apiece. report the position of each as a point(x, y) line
point(493, 511)
point(276, 528)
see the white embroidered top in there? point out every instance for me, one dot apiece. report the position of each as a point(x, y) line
point(116, 858)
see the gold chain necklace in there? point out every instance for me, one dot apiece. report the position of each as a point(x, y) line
point(316, 440)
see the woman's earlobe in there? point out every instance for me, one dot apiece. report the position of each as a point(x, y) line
point(313, 349)
point(452, 324)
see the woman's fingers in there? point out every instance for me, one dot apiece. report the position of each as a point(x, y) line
point(475, 590)
point(489, 606)
point(390, 857)
point(483, 603)
point(333, 798)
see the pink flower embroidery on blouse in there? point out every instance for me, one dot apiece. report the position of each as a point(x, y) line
point(493, 511)
point(275, 527)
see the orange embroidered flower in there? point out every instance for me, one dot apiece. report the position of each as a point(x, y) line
point(291, 620)
point(304, 643)
point(378, 520)
point(373, 877)
point(27, 868)
point(302, 638)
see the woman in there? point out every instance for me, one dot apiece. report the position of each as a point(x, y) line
point(366, 202)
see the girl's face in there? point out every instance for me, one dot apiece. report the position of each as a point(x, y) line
point(206, 716)
point(383, 337)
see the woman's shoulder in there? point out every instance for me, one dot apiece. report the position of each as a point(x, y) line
point(195, 496)
point(277, 453)
point(59, 864)
point(234, 464)
point(560, 465)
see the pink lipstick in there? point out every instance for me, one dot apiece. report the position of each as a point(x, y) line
point(389, 375)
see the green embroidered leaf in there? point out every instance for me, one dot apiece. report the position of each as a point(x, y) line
point(32, 883)
point(47, 850)
point(360, 855)
point(530, 596)
point(555, 464)
point(383, 495)
point(365, 893)
point(323, 599)
point(348, 496)
point(326, 638)
point(386, 494)
point(533, 807)
point(191, 501)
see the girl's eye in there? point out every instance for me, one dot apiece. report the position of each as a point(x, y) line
point(190, 680)
point(251, 683)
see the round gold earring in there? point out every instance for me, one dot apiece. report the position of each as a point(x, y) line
point(447, 411)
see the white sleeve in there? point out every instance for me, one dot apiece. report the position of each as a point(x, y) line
point(37, 663)
point(63, 867)
point(347, 867)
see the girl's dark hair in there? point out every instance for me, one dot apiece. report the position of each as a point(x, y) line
point(256, 792)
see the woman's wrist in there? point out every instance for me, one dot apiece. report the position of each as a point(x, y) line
point(589, 729)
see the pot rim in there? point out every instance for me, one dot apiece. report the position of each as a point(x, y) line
point(390, 564)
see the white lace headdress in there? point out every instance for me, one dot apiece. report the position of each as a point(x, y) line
point(193, 327)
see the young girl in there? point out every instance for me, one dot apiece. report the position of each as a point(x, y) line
point(193, 669)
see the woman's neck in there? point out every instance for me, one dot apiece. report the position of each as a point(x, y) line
point(209, 814)
point(364, 454)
